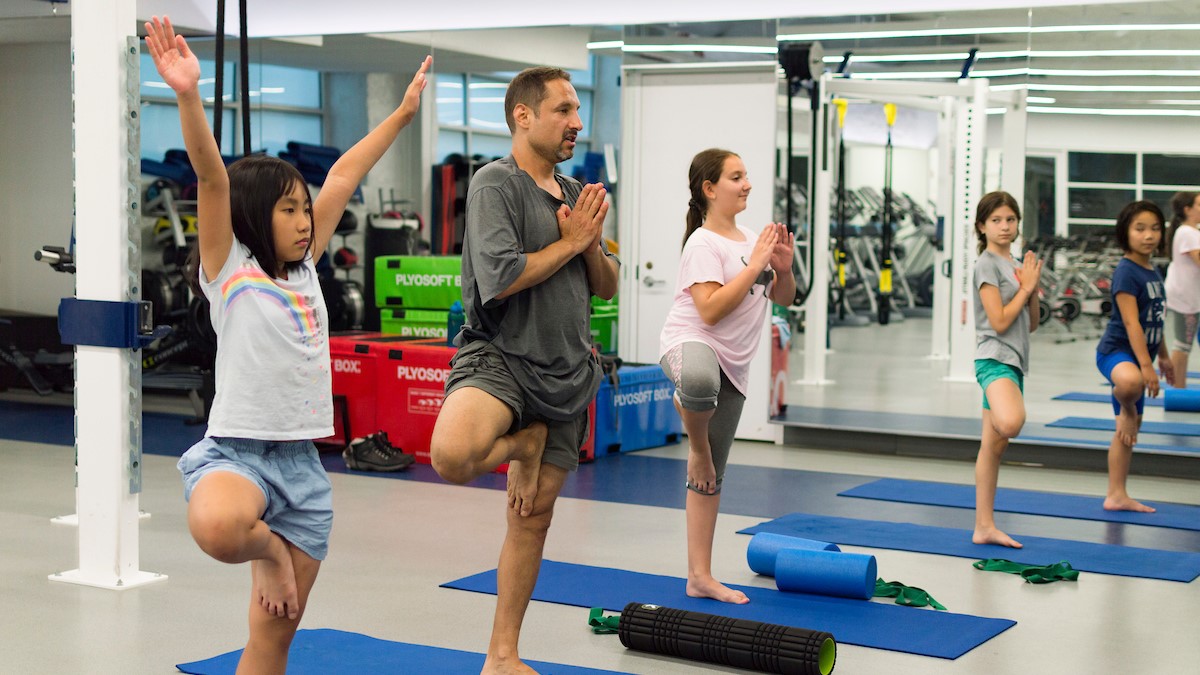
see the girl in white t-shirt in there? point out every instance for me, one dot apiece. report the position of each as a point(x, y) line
point(1183, 281)
point(727, 275)
point(255, 486)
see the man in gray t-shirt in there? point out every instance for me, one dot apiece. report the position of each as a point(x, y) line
point(524, 375)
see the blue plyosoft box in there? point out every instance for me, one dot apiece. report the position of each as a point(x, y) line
point(637, 413)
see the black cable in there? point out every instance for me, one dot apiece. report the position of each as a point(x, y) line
point(244, 46)
point(219, 99)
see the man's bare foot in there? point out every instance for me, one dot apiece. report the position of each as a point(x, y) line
point(275, 582)
point(992, 535)
point(708, 587)
point(1126, 503)
point(1127, 429)
point(701, 474)
point(525, 466)
point(494, 665)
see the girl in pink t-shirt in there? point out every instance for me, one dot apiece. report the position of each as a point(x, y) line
point(726, 276)
point(1183, 281)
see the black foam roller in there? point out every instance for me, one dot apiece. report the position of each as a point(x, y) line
point(740, 643)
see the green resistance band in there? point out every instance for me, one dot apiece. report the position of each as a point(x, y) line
point(603, 625)
point(910, 596)
point(1034, 574)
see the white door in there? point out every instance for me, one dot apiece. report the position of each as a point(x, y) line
point(668, 115)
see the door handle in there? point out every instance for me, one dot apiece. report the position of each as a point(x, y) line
point(651, 282)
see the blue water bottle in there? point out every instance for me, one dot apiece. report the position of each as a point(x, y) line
point(454, 322)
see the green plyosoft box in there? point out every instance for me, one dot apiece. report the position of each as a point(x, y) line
point(418, 281)
point(425, 323)
point(604, 328)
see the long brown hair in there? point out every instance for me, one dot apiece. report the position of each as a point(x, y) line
point(988, 204)
point(1179, 202)
point(706, 167)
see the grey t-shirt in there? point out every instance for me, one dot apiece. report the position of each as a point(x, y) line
point(1011, 346)
point(544, 332)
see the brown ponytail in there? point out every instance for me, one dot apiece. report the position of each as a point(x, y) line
point(1179, 202)
point(706, 167)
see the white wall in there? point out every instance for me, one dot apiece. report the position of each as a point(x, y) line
point(35, 173)
point(1102, 133)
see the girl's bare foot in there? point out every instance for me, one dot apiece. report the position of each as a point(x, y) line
point(992, 535)
point(708, 587)
point(525, 466)
point(1126, 503)
point(1127, 429)
point(275, 582)
point(701, 474)
point(497, 666)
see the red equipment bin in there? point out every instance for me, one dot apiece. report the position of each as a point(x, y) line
point(412, 380)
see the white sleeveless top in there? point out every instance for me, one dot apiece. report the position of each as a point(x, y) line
point(272, 373)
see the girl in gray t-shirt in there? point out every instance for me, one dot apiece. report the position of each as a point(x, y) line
point(1006, 312)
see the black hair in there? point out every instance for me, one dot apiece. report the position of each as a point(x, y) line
point(256, 184)
point(1125, 219)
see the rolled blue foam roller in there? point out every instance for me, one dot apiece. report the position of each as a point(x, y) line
point(1181, 400)
point(846, 575)
point(765, 546)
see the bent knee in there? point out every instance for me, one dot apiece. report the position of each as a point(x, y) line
point(1008, 427)
point(223, 539)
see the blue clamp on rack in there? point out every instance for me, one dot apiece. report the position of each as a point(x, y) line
point(106, 323)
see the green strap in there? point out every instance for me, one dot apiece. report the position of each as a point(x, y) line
point(1034, 574)
point(603, 625)
point(910, 596)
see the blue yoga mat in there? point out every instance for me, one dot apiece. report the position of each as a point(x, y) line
point(1009, 500)
point(857, 622)
point(1090, 397)
point(333, 652)
point(1110, 424)
point(1084, 556)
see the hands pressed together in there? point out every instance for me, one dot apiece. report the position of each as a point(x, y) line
point(583, 226)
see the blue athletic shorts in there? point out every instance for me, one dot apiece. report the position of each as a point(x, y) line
point(297, 490)
point(1106, 363)
point(988, 371)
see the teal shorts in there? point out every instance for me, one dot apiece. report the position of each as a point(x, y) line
point(988, 371)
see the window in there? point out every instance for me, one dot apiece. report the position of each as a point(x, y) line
point(286, 105)
point(1100, 184)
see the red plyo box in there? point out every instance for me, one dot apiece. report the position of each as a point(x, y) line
point(354, 386)
point(411, 379)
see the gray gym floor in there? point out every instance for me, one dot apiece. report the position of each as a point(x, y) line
point(394, 541)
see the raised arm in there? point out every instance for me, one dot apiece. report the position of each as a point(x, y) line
point(180, 69)
point(350, 169)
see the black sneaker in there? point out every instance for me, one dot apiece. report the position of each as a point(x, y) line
point(375, 453)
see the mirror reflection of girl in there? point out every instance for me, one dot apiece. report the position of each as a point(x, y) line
point(255, 486)
point(727, 277)
point(1006, 312)
point(1183, 281)
point(1131, 341)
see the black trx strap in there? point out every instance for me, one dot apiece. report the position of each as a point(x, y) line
point(243, 75)
point(219, 101)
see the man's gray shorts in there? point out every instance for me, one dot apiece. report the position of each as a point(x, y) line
point(479, 364)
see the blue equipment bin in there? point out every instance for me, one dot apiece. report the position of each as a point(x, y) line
point(638, 413)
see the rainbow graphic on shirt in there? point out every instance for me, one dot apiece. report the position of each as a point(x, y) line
point(252, 280)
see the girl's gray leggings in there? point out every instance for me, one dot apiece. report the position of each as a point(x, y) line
point(700, 385)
